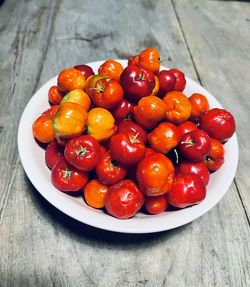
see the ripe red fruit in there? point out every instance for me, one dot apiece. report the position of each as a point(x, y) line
point(186, 127)
point(156, 204)
point(186, 190)
point(86, 70)
point(219, 124)
point(67, 178)
point(155, 174)
point(110, 171)
point(180, 80)
point(126, 149)
point(83, 152)
point(195, 145)
point(198, 168)
point(124, 199)
point(215, 157)
point(53, 153)
point(167, 81)
point(137, 82)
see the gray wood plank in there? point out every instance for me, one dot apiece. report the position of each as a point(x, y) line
point(86, 31)
point(24, 39)
point(41, 246)
point(218, 35)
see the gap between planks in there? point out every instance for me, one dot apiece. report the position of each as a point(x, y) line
point(17, 158)
point(199, 79)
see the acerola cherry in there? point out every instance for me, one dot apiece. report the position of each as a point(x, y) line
point(219, 124)
point(167, 82)
point(195, 145)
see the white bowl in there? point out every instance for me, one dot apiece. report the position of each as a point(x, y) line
point(32, 158)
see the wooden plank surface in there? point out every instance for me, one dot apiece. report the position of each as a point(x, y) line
point(24, 40)
point(218, 35)
point(40, 246)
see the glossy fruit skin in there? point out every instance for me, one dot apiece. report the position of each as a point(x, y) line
point(132, 129)
point(51, 112)
point(122, 111)
point(42, 129)
point(150, 109)
point(124, 199)
point(199, 105)
point(148, 152)
point(86, 70)
point(167, 81)
point(133, 60)
point(67, 178)
point(186, 190)
point(219, 124)
point(186, 127)
point(83, 152)
point(137, 82)
point(111, 69)
point(70, 79)
point(109, 171)
point(198, 168)
point(79, 97)
point(155, 174)
point(53, 153)
point(164, 137)
point(95, 193)
point(178, 107)
point(180, 80)
point(108, 93)
point(195, 145)
point(100, 124)
point(70, 120)
point(215, 157)
point(150, 59)
point(143, 122)
point(61, 141)
point(91, 82)
point(55, 95)
point(156, 204)
point(126, 149)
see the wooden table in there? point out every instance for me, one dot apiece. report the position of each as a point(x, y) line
point(40, 246)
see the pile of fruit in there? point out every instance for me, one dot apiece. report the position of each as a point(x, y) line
point(129, 138)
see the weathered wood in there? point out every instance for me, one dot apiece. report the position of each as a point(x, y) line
point(40, 246)
point(218, 35)
point(24, 40)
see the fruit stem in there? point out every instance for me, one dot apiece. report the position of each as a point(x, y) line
point(141, 76)
point(167, 59)
point(67, 173)
point(113, 162)
point(134, 138)
point(82, 151)
point(188, 142)
point(101, 89)
point(177, 156)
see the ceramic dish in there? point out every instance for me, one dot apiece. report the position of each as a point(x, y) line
point(32, 157)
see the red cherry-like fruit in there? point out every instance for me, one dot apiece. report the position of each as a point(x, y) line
point(219, 124)
point(180, 80)
point(86, 70)
point(167, 81)
point(195, 145)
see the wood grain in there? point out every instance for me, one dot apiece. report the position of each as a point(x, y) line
point(40, 246)
point(218, 35)
point(24, 40)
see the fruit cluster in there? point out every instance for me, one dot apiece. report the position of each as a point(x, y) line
point(129, 137)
